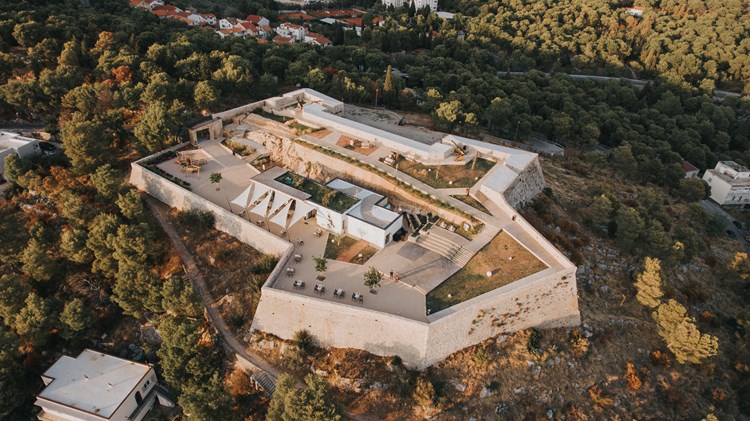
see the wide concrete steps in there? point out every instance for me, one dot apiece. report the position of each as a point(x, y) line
point(462, 257)
point(265, 382)
point(439, 245)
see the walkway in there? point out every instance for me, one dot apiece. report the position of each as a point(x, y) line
point(199, 284)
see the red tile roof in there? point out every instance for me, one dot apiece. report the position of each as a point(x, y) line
point(278, 39)
point(337, 13)
point(254, 18)
point(688, 167)
point(301, 16)
point(319, 39)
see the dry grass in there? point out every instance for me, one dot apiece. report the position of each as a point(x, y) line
point(355, 145)
point(504, 256)
point(231, 270)
point(446, 176)
point(320, 134)
point(347, 249)
point(474, 203)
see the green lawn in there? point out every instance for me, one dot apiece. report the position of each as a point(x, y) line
point(441, 176)
point(472, 280)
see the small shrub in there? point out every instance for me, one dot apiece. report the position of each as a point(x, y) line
point(303, 340)
point(659, 358)
point(481, 358)
point(579, 344)
point(598, 396)
point(633, 380)
point(265, 264)
point(534, 341)
point(203, 221)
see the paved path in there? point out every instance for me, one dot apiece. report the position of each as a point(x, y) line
point(199, 284)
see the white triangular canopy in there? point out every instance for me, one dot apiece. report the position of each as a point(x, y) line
point(242, 199)
point(300, 211)
point(259, 191)
point(280, 217)
point(262, 207)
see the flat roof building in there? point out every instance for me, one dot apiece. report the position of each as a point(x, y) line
point(96, 386)
point(730, 183)
point(13, 143)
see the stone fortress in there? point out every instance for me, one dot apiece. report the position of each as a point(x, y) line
point(309, 136)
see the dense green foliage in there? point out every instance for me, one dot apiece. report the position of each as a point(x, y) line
point(115, 82)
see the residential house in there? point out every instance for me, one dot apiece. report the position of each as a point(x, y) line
point(291, 30)
point(257, 20)
point(691, 171)
point(234, 31)
point(730, 183)
point(279, 39)
point(418, 4)
point(97, 386)
point(264, 31)
point(248, 29)
point(228, 22)
point(634, 11)
point(317, 39)
point(166, 10)
point(209, 18)
point(13, 143)
point(146, 4)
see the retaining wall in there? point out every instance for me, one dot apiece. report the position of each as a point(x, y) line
point(180, 198)
point(298, 159)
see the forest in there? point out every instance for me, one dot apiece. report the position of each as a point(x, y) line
point(115, 83)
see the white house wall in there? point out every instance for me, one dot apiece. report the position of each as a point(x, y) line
point(362, 230)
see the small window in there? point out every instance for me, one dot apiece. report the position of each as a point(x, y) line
point(145, 385)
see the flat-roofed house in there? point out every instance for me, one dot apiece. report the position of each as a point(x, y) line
point(13, 143)
point(96, 386)
point(730, 183)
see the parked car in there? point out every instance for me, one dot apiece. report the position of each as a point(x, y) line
point(738, 224)
point(731, 234)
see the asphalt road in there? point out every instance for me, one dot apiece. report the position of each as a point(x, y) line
point(727, 221)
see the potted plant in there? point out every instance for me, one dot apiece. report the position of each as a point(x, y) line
point(215, 178)
point(372, 279)
point(321, 265)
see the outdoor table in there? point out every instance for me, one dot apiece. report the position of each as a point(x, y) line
point(299, 284)
point(289, 271)
point(298, 257)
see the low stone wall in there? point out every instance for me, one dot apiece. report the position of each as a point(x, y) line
point(226, 115)
point(179, 198)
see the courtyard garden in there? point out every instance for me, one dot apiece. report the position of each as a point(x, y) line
point(348, 249)
point(319, 193)
point(503, 257)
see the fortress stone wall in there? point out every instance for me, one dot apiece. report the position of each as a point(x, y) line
point(528, 184)
point(177, 197)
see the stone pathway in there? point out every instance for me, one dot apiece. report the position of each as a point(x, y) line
point(199, 284)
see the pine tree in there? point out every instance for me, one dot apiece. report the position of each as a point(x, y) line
point(75, 318)
point(388, 83)
point(649, 284)
point(284, 393)
point(601, 209)
point(682, 335)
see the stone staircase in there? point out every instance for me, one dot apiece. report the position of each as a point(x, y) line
point(265, 382)
point(439, 245)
